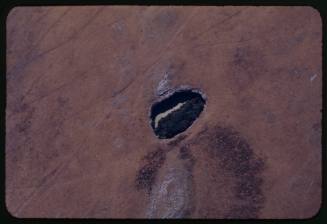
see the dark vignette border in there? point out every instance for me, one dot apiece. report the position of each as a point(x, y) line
point(6, 6)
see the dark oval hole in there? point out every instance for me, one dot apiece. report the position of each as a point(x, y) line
point(176, 113)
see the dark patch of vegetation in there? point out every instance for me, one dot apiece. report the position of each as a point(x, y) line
point(235, 155)
point(147, 174)
point(184, 153)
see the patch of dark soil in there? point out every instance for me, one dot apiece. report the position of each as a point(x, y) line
point(146, 175)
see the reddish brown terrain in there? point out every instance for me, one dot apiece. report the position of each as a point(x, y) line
point(80, 84)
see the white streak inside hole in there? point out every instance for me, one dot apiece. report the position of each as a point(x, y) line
point(164, 114)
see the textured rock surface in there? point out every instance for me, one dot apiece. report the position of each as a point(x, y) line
point(81, 82)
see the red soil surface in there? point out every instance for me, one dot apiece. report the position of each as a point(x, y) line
point(81, 81)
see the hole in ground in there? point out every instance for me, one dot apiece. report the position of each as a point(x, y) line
point(176, 113)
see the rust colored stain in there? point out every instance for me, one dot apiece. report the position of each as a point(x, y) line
point(81, 80)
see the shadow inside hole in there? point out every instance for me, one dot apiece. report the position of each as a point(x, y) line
point(176, 113)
